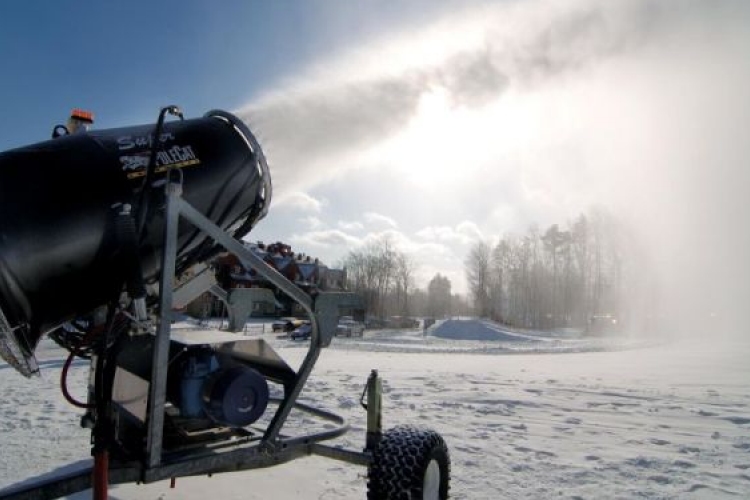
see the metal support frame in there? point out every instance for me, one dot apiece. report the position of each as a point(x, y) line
point(272, 448)
point(249, 259)
point(177, 207)
point(158, 390)
point(241, 457)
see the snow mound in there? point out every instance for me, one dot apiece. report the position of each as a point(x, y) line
point(473, 329)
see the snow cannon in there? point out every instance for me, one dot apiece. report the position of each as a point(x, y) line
point(76, 215)
point(106, 237)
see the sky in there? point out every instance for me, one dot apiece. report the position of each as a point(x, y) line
point(434, 123)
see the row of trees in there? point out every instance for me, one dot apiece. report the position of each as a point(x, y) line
point(559, 277)
point(382, 276)
point(385, 279)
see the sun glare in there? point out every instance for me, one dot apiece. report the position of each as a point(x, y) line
point(445, 145)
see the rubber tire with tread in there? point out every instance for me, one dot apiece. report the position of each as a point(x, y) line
point(401, 460)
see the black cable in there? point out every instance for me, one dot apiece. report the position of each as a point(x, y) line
point(144, 198)
point(103, 432)
point(127, 239)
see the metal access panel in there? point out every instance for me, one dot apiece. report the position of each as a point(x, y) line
point(130, 394)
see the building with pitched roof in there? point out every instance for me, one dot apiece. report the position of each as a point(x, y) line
point(308, 273)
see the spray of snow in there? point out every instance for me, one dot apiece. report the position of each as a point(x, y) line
point(550, 108)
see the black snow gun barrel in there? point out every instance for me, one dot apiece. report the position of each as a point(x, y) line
point(61, 254)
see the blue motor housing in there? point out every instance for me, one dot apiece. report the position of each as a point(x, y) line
point(232, 395)
point(197, 368)
point(235, 397)
point(221, 385)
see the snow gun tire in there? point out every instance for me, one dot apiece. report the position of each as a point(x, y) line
point(409, 463)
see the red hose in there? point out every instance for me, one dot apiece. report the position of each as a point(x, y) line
point(100, 477)
point(66, 366)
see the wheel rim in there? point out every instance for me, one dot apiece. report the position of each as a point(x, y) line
point(431, 485)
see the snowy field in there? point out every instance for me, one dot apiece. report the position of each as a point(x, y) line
point(571, 418)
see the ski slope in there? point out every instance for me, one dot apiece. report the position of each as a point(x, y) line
point(668, 420)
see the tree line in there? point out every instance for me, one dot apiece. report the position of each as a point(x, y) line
point(592, 267)
point(560, 277)
point(384, 277)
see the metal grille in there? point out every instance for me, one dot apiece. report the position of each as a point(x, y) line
point(12, 352)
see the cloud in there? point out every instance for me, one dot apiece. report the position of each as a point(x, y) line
point(312, 222)
point(301, 201)
point(376, 219)
point(344, 241)
point(403, 243)
point(428, 257)
point(326, 239)
point(350, 226)
point(464, 233)
point(470, 230)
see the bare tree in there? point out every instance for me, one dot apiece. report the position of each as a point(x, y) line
point(439, 296)
point(555, 244)
point(582, 261)
point(478, 266)
point(382, 276)
point(460, 305)
point(404, 279)
point(501, 265)
point(559, 277)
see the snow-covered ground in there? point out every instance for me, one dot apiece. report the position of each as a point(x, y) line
point(572, 418)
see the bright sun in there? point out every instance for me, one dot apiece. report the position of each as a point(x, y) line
point(445, 143)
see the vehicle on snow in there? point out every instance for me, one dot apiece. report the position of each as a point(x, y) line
point(347, 327)
point(303, 332)
point(286, 324)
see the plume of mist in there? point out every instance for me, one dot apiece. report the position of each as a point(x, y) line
point(311, 126)
point(660, 100)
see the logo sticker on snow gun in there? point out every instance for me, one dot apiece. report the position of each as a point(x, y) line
point(127, 142)
point(174, 157)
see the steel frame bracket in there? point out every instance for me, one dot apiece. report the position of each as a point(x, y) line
point(327, 310)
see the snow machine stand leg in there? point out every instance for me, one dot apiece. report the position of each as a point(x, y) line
point(100, 476)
